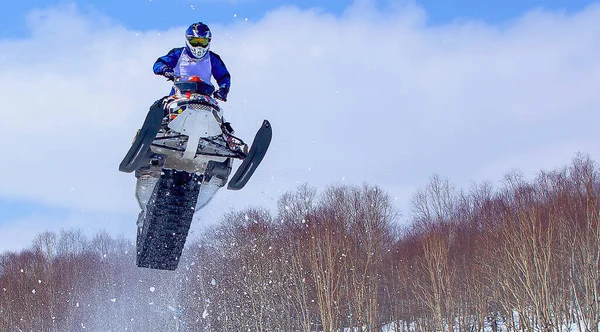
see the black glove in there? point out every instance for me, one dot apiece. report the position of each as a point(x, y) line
point(169, 74)
point(221, 94)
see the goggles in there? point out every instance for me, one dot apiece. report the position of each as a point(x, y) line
point(198, 41)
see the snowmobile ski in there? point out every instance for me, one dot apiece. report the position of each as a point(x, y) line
point(163, 227)
point(140, 153)
point(259, 147)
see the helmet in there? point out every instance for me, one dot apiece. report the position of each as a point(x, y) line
point(197, 39)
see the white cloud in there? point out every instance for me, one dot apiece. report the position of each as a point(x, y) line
point(365, 96)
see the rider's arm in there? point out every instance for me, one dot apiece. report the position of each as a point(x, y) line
point(219, 71)
point(167, 62)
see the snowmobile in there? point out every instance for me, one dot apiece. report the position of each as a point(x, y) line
point(181, 156)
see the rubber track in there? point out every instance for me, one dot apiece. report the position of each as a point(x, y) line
point(168, 219)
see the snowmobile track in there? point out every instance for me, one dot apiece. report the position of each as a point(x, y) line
point(167, 220)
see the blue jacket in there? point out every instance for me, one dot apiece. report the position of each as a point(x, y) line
point(219, 71)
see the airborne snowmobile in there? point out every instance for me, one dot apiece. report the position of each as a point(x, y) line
point(181, 156)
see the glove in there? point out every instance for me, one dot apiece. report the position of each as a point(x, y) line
point(221, 94)
point(168, 73)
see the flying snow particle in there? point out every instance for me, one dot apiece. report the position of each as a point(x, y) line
point(205, 313)
point(77, 304)
point(234, 15)
point(213, 282)
point(192, 6)
point(33, 291)
point(21, 270)
point(113, 300)
point(152, 289)
point(39, 281)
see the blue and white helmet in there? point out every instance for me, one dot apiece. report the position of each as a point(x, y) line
point(197, 39)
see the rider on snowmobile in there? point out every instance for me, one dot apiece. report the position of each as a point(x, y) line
point(196, 59)
point(183, 153)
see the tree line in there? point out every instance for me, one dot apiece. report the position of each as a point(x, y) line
point(523, 257)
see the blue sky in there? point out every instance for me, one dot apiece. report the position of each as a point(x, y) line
point(163, 14)
point(544, 76)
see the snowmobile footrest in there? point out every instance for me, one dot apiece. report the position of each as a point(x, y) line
point(259, 147)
